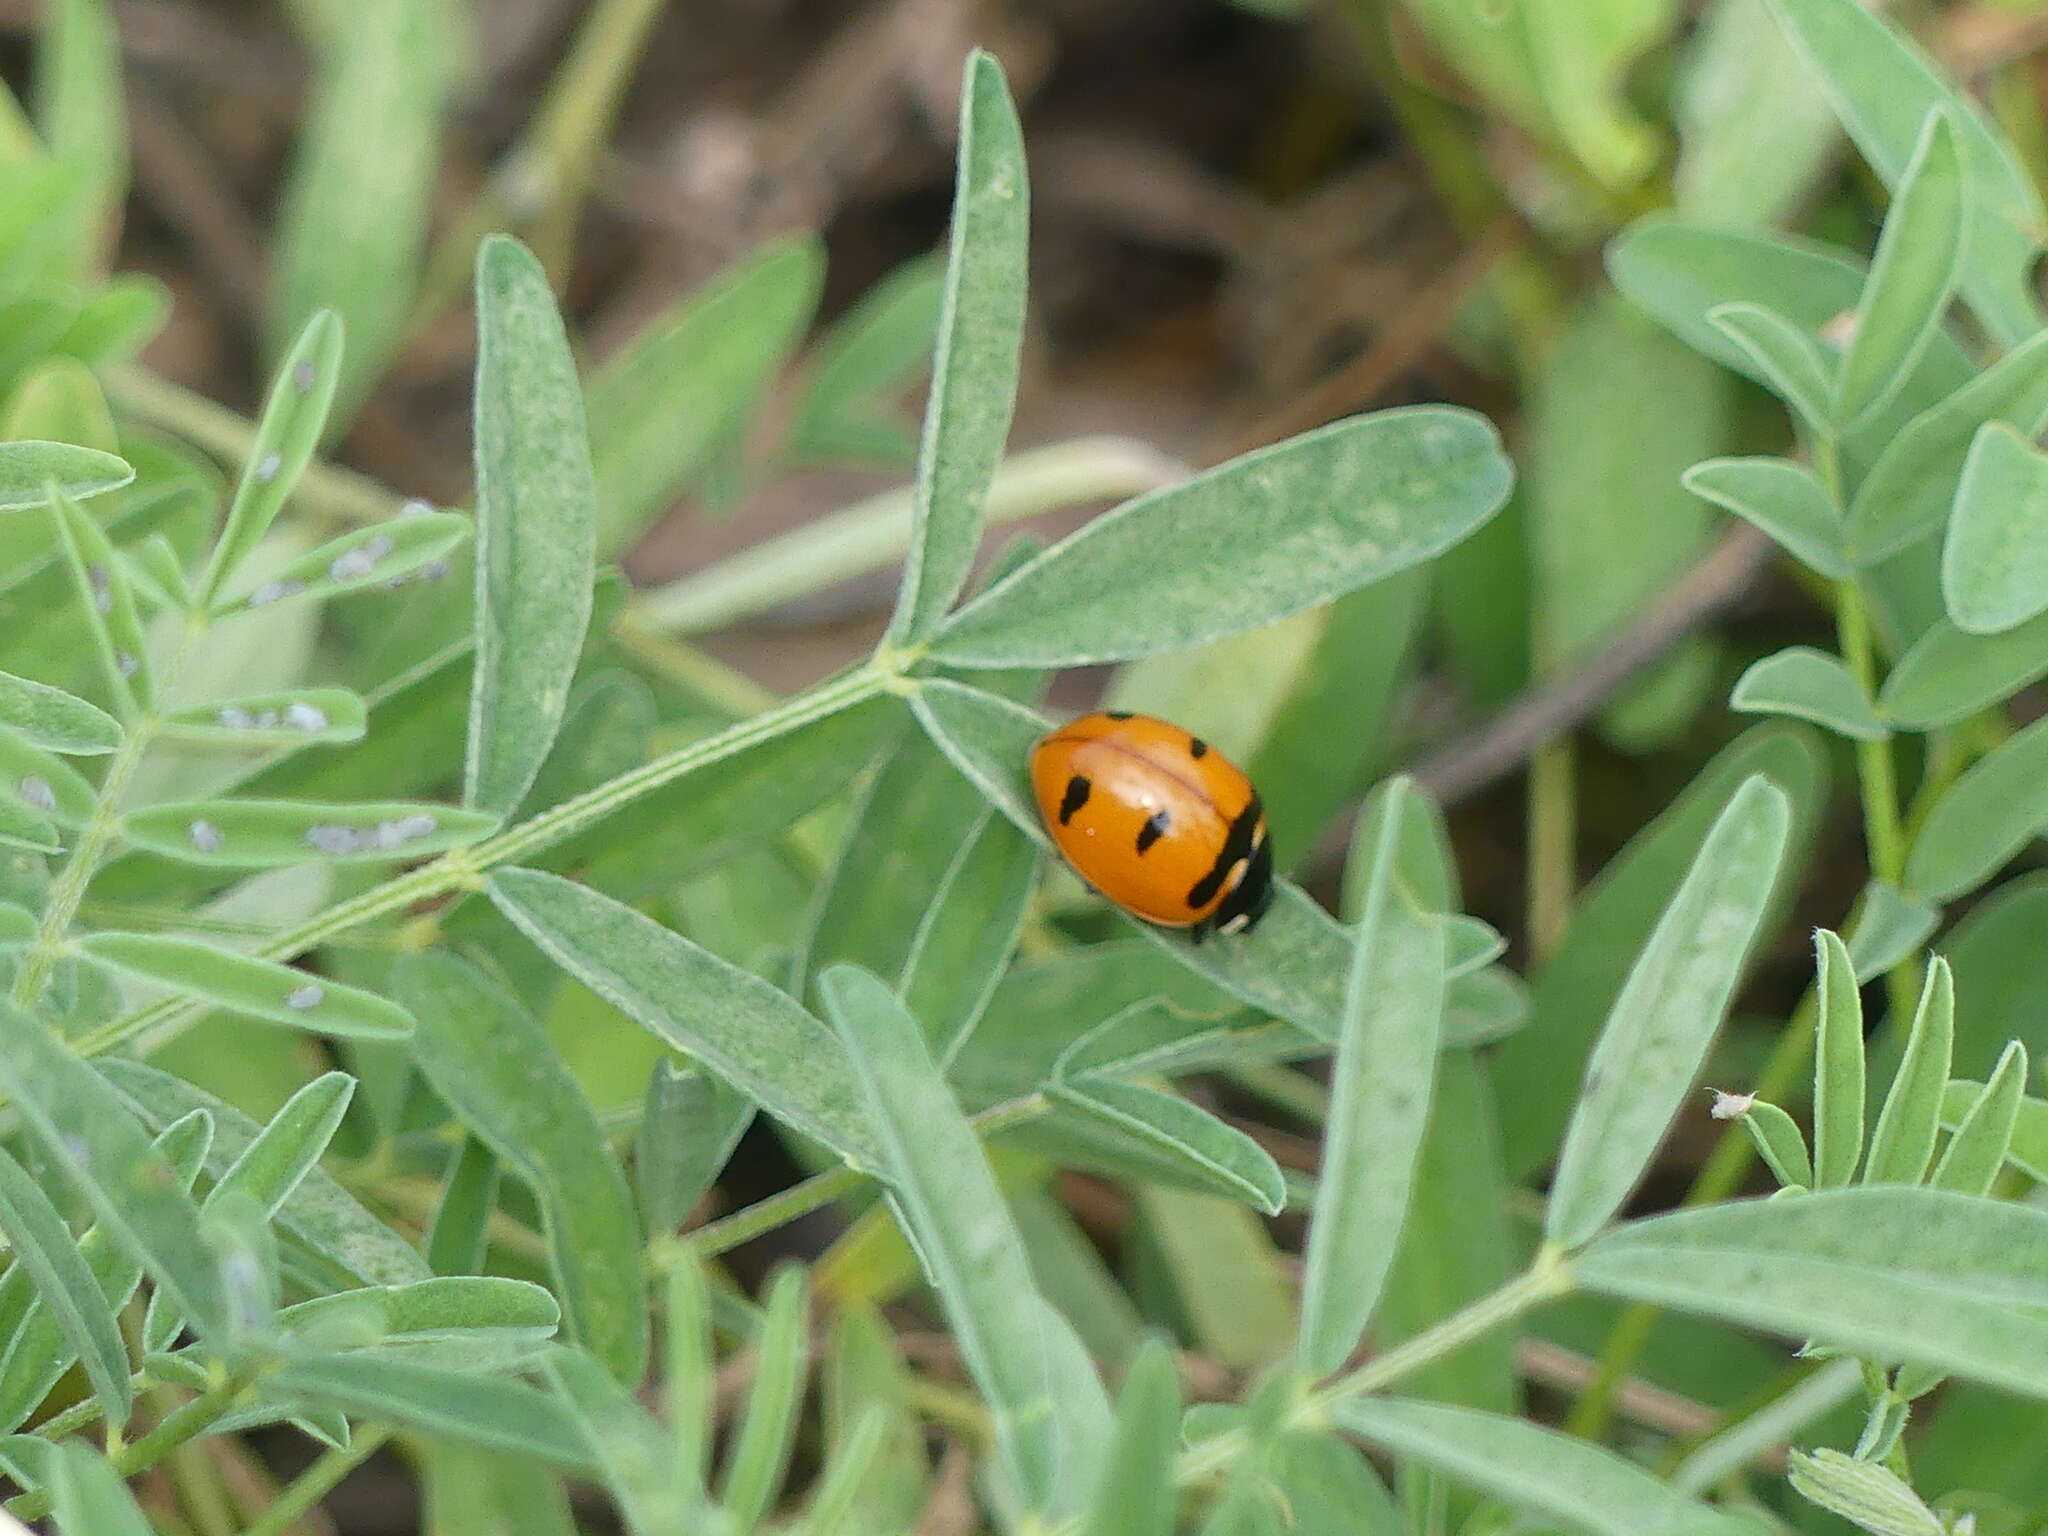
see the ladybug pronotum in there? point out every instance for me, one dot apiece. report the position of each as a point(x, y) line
point(1156, 820)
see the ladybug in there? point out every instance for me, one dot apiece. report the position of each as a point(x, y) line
point(1156, 820)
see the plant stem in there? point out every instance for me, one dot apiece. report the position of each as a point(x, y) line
point(317, 1481)
point(1875, 773)
point(188, 1422)
point(464, 868)
point(1553, 837)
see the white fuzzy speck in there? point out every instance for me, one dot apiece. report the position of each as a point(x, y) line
point(268, 466)
point(235, 719)
point(311, 995)
point(309, 718)
point(335, 840)
point(417, 825)
point(35, 789)
point(1731, 1106)
point(303, 376)
point(415, 508)
point(272, 591)
point(125, 664)
point(206, 837)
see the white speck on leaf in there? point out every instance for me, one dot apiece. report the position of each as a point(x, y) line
point(309, 718)
point(1731, 1106)
point(35, 789)
point(311, 995)
point(205, 836)
point(331, 839)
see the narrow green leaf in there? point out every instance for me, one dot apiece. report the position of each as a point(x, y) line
point(460, 1236)
point(45, 783)
point(1136, 1496)
point(481, 1322)
point(1667, 1013)
point(864, 1376)
point(261, 989)
point(1984, 1131)
point(287, 433)
point(127, 313)
point(536, 517)
point(486, 1057)
point(1780, 1141)
point(1903, 1144)
point(1050, 1438)
point(760, 1453)
point(1886, 926)
point(1250, 542)
point(81, 113)
point(1556, 1476)
point(27, 470)
point(435, 1400)
point(687, 1390)
point(268, 834)
point(1789, 361)
point(99, 581)
point(412, 543)
point(688, 383)
point(974, 372)
point(65, 1284)
point(1926, 1276)
point(294, 717)
point(1865, 1493)
point(831, 1510)
point(690, 1125)
point(1910, 488)
point(318, 1214)
point(1883, 88)
point(60, 399)
point(1381, 1086)
point(1981, 820)
point(51, 718)
point(632, 1452)
point(359, 190)
point(1948, 675)
point(969, 932)
point(751, 1034)
point(1811, 685)
point(1838, 1077)
point(1919, 257)
point(1993, 575)
point(874, 350)
point(267, 1170)
point(17, 925)
point(21, 827)
point(469, 1492)
point(88, 1498)
point(1208, 1153)
point(1785, 500)
point(79, 1123)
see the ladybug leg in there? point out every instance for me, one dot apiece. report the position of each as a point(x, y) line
point(1199, 932)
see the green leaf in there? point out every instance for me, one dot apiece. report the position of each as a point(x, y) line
point(688, 383)
point(127, 313)
point(318, 1214)
point(1983, 1131)
point(536, 518)
point(760, 1452)
point(79, 1123)
point(1883, 89)
point(381, 555)
point(1779, 1140)
point(688, 1386)
point(1993, 576)
point(88, 1498)
point(17, 926)
point(294, 717)
point(831, 1510)
point(631, 1450)
point(99, 580)
point(969, 932)
point(1050, 1436)
point(28, 469)
point(873, 350)
point(1381, 1085)
point(1903, 1144)
point(1910, 488)
point(69, 1291)
point(1838, 1092)
point(269, 834)
point(1136, 1495)
point(1554, 1475)
point(1208, 1153)
point(1919, 257)
point(81, 114)
point(1924, 1276)
point(434, 1400)
point(294, 416)
point(483, 1322)
point(1811, 685)
point(51, 718)
point(974, 372)
point(21, 827)
point(1753, 133)
point(360, 186)
point(1661, 1025)
point(1981, 820)
point(754, 1036)
point(1786, 358)
point(468, 1492)
point(1250, 542)
point(60, 399)
point(690, 1125)
point(460, 1237)
point(1948, 675)
point(1782, 498)
point(487, 1058)
point(261, 989)
point(1886, 926)
point(1865, 1493)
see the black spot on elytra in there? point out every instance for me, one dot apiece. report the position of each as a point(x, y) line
point(1154, 829)
point(1238, 846)
point(1075, 797)
point(1118, 714)
point(1197, 747)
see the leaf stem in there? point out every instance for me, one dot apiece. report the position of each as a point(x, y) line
point(187, 1422)
point(317, 1481)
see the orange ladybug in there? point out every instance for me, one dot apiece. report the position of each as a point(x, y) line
point(1157, 820)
